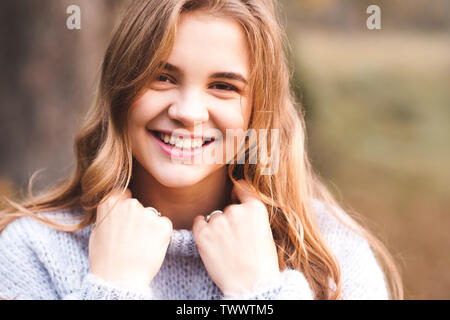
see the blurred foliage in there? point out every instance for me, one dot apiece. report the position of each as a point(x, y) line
point(411, 15)
point(379, 133)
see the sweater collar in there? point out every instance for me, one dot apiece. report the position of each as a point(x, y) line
point(182, 243)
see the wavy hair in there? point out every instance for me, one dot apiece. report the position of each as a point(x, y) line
point(104, 160)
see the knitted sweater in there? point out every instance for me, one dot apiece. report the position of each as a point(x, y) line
point(38, 262)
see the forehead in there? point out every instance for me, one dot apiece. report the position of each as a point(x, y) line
point(205, 42)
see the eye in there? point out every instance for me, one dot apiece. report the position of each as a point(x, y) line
point(165, 78)
point(224, 86)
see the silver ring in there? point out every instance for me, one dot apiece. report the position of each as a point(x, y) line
point(153, 210)
point(209, 216)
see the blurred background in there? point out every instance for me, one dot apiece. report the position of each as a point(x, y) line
point(377, 108)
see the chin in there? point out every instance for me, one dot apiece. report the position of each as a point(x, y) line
point(180, 176)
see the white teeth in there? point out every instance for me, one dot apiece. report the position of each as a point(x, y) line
point(198, 143)
point(185, 143)
point(166, 138)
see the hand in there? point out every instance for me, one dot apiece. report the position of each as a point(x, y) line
point(237, 247)
point(128, 245)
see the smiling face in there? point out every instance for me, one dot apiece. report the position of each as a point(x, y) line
point(201, 93)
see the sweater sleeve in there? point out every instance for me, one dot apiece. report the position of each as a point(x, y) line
point(291, 285)
point(23, 274)
point(361, 276)
point(362, 279)
point(94, 288)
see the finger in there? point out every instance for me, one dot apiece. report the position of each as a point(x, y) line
point(153, 211)
point(198, 224)
point(112, 199)
point(243, 191)
point(118, 194)
point(121, 194)
point(168, 222)
point(234, 197)
point(128, 193)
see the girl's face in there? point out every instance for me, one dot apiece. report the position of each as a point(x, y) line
point(203, 86)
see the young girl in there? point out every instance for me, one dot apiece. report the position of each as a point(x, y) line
point(140, 220)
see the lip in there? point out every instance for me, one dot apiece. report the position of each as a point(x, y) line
point(177, 152)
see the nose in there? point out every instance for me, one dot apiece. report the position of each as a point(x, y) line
point(190, 108)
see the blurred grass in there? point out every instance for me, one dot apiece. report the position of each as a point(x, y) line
point(378, 109)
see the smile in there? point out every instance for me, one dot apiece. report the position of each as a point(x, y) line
point(181, 142)
point(181, 146)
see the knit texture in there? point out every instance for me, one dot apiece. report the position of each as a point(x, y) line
point(38, 262)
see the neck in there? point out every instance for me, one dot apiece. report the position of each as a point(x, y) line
point(182, 204)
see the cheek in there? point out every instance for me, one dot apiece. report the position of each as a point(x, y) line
point(234, 116)
point(147, 107)
point(247, 112)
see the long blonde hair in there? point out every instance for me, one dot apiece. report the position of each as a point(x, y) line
point(104, 159)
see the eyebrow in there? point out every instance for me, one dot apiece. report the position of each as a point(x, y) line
point(225, 75)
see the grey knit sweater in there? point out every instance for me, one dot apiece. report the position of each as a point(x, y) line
point(38, 262)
